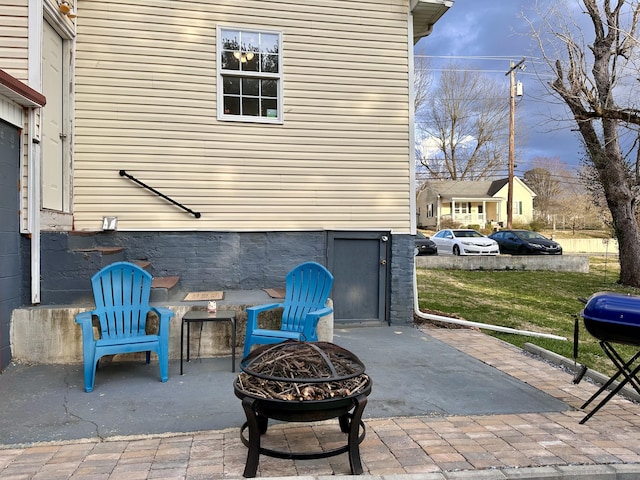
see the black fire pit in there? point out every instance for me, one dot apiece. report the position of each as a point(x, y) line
point(614, 318)
point(297, 381)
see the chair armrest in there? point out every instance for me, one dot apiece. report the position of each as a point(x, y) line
point(164, 316)
point(85, 319)
point(314, 317)
point(252, 314)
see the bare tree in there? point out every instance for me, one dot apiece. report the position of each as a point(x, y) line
point(594, 79)
point(422, 83)
point(464, 129)
point(545, 179)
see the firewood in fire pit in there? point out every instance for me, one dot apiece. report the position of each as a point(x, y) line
point(302, 371)
point(259, 387)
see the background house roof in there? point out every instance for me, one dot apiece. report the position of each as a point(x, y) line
point(449, 189)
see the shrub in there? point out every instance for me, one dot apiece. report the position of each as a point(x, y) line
point(538, 225)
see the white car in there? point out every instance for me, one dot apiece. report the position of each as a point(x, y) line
point(459, 241)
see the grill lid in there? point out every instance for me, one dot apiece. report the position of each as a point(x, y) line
point(615, 308)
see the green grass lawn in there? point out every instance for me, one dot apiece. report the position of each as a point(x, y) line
point(535, 301)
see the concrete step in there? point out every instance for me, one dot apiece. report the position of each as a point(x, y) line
point(162, 288)
point(104, 255)
point(144, 264)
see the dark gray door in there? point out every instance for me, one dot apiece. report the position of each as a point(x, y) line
point(9, 234)
point(359, 264)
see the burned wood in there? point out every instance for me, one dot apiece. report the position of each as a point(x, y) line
point(292, 391)
point(301, 371)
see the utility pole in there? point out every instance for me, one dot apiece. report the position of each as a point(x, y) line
point(512, 135)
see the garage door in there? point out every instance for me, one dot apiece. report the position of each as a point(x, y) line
point(9, 234)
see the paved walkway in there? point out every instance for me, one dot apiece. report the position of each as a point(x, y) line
point(551, 445)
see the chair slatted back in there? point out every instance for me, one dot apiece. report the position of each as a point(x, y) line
point(307, 289)
point(121, 292)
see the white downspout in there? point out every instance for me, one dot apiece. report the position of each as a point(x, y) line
point(34, 207)
point(457, 321)
point(412, 134)
point(34, 153)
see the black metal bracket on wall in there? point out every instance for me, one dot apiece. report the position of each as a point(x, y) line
point(160, 194)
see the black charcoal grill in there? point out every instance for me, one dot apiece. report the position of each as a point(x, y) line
point(614, 318)
point(337, 388)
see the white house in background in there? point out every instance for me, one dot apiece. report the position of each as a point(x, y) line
point(482, 203)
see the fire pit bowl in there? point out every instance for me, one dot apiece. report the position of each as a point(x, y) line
point(297, 381)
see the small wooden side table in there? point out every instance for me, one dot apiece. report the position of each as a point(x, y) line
point(205, 316)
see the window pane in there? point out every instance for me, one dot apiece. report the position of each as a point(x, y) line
point(230, 39)
point(250, 41)
point(230, 43)
point(270, 63)
point(250, 107)
point(269, 88)
point(229, 62)
point(231, 105)
point(269, 43)
point(270, 108)
point(250, 61)
point(251, 86)
point(231, 85)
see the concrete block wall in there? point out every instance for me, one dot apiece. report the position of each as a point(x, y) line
point(49, 335)
point(555, 263)
point(202, 260)
point(402, 265)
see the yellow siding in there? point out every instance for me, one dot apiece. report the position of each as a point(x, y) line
point(13, 38)
point(146, 103)
point(14, 53)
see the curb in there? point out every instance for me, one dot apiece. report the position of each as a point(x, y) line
point(560, 472)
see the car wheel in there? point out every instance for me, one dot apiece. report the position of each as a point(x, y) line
point(456, 250)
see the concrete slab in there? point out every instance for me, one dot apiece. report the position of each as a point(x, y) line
point(413, 374)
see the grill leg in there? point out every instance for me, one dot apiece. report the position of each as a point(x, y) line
point(623, 369)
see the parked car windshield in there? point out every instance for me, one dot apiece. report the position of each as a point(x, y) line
point(527, 235)
point(467, 233)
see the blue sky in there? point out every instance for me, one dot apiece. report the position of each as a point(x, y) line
point(495, 28)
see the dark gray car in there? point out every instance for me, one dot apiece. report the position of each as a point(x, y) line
point(525, 242)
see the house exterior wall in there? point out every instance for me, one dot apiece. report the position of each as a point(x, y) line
point(14, 60)
point(14, 33)
point(146, 103)
point(520, 194)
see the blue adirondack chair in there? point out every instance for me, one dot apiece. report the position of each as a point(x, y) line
point(121, 292)
point(307, 290)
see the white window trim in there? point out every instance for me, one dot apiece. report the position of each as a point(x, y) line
point(219, 74)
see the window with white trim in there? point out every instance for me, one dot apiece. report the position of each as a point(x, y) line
point(518, 208)
point(249, 75)
point(463, 208)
